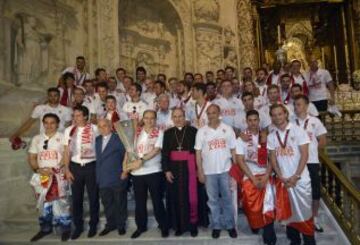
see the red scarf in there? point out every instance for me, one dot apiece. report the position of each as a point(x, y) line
point(305, 86)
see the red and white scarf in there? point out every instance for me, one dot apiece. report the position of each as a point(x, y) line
point(87, 148)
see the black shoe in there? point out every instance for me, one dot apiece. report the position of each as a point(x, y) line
point(65, 236)
point(92, 232)
point(40, 235)
point(164, 233)
point(318, 228)
point(178, 233)
point(194, 232)
point(215, 234)
point(232, 233)
point(137, 233)
point(76, 234)
point(255, 231)
point(122, 231)
point(105, 231)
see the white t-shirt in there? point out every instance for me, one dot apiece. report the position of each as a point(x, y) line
point(262, 90)
point(314, 129)
point(288, 158)
point(135, 110)
point(122, 115)
point(240, 120)
point(275, 78)
point(120, 98)
point(299, 79)
point(230, 108)
point(250, 152)
point(311, 110)
point(164, 120)
point(79, 77)
point(317, 84)
point(63, 112)
point(150, 99)
point(191, 116)
point(76, 153)
point(99, 107)
point(259, 102)
point(52, 156)
point(215, 146)
point(145, 143)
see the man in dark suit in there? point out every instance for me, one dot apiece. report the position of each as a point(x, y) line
point(110, 177)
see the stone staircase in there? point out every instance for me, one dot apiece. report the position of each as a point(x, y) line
point(18, 218)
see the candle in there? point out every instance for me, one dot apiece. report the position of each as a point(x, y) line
point(336, 64)
point(279, 34)
point(323, 57)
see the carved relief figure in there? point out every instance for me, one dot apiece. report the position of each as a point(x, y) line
point(29, 44)
point(207, 10)
point(145, 60)
point(230, 56)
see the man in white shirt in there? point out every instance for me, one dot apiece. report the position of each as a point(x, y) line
point(215, 149)
point(80, 164)
point(164, 120)
point(136, 107)
point(320, 81)
point(148, 94)
point(288, 147)
point(183, 94)
point(256, 185)
point(285, 87)
point(274, 75)
point(120, 97)
point(196, 113)
point(45, 159)
point(147, 175)
point(295, 91)
point(230, 106)
point(120, 75)
point(240, 119)
point(261, 75)
point(90, 94)
point(317, 134)
point(100, 101)
point(52, 106)
point(79, 99)
point(79, 71)
point(298, 77)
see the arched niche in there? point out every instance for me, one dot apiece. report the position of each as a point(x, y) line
point(151, 35)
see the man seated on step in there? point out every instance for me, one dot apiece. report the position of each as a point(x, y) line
point(51, 189)
point(110, 177)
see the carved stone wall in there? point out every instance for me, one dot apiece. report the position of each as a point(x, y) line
point(246, 34)
point(168, 36)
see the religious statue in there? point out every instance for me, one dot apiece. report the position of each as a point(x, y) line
point(29, 43)
point(230, 58)
point(145, 60)
point(281, 55)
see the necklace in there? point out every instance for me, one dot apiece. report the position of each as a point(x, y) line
point(179, 144)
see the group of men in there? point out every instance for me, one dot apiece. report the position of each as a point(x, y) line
point(204, 148)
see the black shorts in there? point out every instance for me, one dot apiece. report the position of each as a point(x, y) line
point(321, 105)
point(314, 171)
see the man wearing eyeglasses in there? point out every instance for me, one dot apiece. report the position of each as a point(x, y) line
point(46, 160)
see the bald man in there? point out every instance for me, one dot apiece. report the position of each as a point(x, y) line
point(215, 146)
point(110, 177)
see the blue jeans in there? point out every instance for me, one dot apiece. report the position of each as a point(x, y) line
point(220, 201)
point(56, 213)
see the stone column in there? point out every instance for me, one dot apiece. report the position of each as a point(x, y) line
point(108, 34)
point(246, 33)
point(2, 41)
point(208, 36)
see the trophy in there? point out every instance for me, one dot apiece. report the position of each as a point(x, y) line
point(126, 131)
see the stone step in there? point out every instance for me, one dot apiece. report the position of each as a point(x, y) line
point(154, 237)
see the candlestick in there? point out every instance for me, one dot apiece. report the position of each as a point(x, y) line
point(279, 34)
point(323, 57)
point(336, 64)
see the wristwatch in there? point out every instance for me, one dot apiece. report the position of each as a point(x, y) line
point(297, 176)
